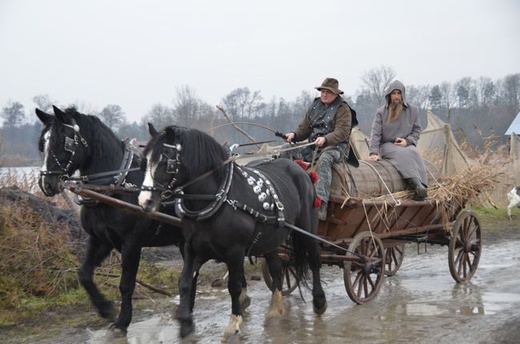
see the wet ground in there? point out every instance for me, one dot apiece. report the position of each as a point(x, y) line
point(420, 304)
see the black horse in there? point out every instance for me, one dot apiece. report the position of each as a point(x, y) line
point(230, 212)
point(72, 142)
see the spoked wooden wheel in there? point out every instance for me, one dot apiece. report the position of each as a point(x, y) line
point(465, 246)
point(394, 256)
point(364, 275)
point(289, 279)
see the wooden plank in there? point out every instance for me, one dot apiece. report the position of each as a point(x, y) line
point(126, 206)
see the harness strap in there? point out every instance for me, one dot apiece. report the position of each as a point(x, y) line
point(119, 175)
point(209, 211)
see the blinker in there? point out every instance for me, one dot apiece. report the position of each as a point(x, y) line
point(70, 145)
point(171, 166)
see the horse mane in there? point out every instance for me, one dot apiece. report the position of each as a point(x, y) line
point(200, 152)
point(93, 130)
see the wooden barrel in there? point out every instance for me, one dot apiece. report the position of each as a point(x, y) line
point(370, 179)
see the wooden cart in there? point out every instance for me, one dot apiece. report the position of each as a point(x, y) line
point(366, 238)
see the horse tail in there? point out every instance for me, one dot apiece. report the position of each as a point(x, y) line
point(301, 264)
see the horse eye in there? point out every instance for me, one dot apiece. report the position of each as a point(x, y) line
point(144, 162)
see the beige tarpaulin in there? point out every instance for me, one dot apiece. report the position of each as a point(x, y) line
point(438, 145)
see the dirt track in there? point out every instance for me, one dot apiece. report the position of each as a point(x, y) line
point(420, 304)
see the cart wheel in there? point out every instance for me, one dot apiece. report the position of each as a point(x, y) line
point(289, 279)
point(393, 259)
point(364, 276)
point(465, 246)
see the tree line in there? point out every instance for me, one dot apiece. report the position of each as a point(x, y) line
point(479, 111)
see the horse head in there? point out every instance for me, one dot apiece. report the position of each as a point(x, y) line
point(162, 166)
point(175, 157)
point(63, 148)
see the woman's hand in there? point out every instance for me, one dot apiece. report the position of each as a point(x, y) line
point(400, 142)
point(374, 157)
point(289, 137)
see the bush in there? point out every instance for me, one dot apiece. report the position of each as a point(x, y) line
point(35, 256)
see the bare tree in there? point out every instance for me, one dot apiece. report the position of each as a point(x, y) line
point(43, 102)
point(241, 104)
point(113, 116)
point(511, 92)
point(13, 115)
point(160, 116)
point(186, 106)
point(418, 96)
point(462, 89)
point(377, 81)
point(487, 92)
point(435, 99)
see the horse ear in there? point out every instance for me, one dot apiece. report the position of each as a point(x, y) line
point(151, 129)
point(60, 115)
point(43, 116)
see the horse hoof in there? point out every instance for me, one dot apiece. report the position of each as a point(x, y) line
point(187, 328)
point(107, 310)
point(319, 307)
point(118, 330)
point(233, 328)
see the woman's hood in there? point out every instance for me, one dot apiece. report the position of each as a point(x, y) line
point(396, 85)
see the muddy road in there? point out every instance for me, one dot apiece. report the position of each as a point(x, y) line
point(420, 304)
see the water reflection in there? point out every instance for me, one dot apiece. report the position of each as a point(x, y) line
point(420, 304)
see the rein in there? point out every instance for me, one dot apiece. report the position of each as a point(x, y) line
point(276, 133)
point(115, 177)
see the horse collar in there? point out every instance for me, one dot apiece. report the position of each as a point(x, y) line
point(212, 208)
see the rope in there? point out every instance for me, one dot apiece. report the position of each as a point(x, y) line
point(397, 202)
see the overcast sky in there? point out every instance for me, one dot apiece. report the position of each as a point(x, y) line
point(139, 53)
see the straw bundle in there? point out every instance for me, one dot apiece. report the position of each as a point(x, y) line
point(455, 192)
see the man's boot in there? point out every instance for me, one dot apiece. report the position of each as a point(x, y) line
point(420, 190)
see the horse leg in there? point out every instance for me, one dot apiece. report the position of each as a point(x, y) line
point(187, 289)
point(130, 257)
point(196, 268)
point(235, 283)
point(244, 299)
point(96, 253)
point(276, 307)
point(319, 302)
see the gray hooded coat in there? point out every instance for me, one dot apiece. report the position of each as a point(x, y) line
point(406, 160)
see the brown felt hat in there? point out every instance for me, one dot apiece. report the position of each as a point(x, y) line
point(330, 84)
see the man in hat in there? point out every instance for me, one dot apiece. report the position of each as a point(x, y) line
point(328, 124)
point(394, 136)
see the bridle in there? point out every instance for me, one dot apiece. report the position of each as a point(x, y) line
point(172, 167)
point(70, 145)
point(113, 177)
point(172, 195)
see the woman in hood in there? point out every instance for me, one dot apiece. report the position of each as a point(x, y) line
point(394, 136)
